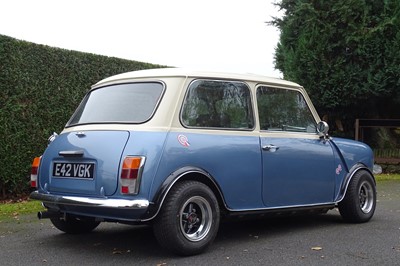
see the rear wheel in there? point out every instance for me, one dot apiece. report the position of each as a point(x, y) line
point(74, 225)
point(359, 203)
point(189, 219)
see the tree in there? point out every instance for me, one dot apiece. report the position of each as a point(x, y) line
point(345, 53)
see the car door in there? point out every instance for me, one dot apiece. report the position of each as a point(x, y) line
point(298, 166)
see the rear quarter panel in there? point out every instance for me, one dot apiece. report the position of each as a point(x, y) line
point(233, 161)
point(151, 145)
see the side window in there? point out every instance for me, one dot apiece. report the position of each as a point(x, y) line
point(218, 104)
point(284, 110)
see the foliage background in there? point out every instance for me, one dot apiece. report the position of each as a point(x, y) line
point(40, 87)
point(345, 53)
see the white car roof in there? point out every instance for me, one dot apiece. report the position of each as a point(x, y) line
point(188, 73)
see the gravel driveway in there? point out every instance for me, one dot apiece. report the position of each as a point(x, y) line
point(320, 240)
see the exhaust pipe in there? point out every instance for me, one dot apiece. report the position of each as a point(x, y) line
point(48, 215)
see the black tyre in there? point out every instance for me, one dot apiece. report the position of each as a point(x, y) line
point(189, 219)
point(358, 205)
point(75, 225)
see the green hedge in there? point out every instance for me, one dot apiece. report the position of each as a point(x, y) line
point(40, 87)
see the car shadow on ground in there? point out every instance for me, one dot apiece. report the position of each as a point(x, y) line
point(138, 242)
point(240, 230)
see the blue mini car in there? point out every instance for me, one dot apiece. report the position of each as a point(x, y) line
point(180, 150)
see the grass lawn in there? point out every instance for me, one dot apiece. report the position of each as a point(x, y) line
point(14, 209)
point(385, 177)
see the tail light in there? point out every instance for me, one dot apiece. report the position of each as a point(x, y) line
point(131, 173)
point(34, 171)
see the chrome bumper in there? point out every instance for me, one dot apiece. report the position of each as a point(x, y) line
point(90, 202)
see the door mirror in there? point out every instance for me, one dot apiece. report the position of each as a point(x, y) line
point(322, 129)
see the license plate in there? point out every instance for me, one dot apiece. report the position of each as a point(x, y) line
point(74, 170)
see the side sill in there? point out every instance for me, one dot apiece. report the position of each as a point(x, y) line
point(283, 211)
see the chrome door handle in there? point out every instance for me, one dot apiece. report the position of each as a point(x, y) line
point(78, 153)
point(270, 147)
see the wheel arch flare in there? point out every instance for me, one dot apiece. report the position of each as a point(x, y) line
point(184, 174)
point(346, 181)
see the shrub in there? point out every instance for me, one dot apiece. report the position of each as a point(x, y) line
point(40, 87)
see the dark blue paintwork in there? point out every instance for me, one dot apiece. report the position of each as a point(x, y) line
point(300, 172)
point(354, 152)
point(100, 147)
point(232, 161)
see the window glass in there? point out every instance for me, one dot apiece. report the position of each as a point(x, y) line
point(125, 103)
point(284, 110)
point(218, 104)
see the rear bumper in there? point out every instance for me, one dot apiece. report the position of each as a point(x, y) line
point(137, 204)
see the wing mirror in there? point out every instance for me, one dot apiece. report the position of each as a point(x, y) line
point(322, 129)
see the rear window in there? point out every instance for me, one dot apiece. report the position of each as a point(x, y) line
point(121, 103)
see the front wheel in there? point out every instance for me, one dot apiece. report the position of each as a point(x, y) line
point(359, 203)
point(74, 225)
point(189, 219)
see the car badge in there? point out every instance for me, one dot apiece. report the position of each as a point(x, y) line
point(183, 140)
point(339, 169)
